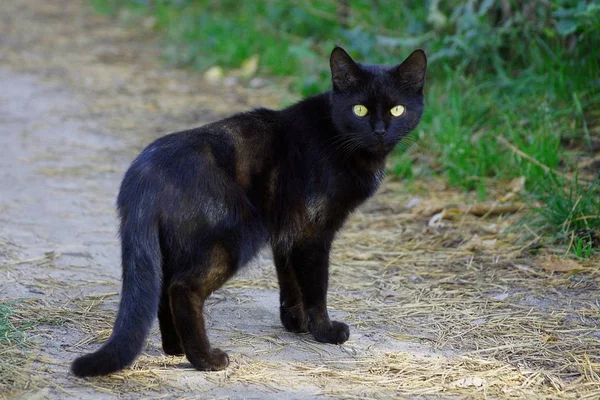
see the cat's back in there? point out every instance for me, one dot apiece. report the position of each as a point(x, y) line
point(226, 152)
point(246, 143)
point(233, 133)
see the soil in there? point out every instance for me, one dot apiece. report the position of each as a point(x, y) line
point(82, 95)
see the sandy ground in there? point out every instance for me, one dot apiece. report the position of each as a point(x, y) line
point(453, 308)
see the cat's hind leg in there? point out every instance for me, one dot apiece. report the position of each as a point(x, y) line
point(170, 339)
point(188, 294)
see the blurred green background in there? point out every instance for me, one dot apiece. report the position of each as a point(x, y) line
point(513, 86)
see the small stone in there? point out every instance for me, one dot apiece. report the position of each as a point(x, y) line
point(257, 83)
point(415, 201)
point(231, 81)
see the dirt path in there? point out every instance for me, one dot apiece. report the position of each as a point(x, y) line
point(453, 308)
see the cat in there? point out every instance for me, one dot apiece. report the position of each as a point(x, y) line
point(197, 205)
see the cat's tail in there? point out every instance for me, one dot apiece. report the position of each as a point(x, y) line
point(142, 274)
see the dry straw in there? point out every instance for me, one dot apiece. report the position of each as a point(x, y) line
point(494, 323)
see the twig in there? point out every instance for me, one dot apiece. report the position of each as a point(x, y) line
point(529, 158)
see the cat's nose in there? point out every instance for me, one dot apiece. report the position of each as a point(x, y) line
point(379, 133)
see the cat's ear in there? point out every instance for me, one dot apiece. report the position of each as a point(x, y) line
point(411, 73)
point(345, 73)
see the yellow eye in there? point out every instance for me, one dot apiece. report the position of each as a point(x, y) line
point(360, 110)
point(397, 111)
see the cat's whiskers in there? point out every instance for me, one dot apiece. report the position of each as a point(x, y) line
point(350, 148)
point(345, 144)
point(339, 138)
point(342, 139)
point(409, 144)
point(344, 148)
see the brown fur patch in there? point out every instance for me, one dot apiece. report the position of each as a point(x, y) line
point(272, 180)
point(302, 225)
point(209, 155)
point(218, 269)
point(243, 166)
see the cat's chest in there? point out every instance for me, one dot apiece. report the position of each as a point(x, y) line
point(337, 197)
point(355, 188)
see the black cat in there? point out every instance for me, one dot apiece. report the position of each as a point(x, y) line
point(197, 205)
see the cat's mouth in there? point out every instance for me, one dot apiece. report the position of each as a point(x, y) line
point(382, 148)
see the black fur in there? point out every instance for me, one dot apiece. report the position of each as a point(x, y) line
point(197, 205)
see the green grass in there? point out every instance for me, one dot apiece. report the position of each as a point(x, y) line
point(570, 214)
point(9, 334)
point(12, 344)
point(16, 359)
point(504, 93)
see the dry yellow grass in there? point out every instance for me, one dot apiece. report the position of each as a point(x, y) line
point(498, 323)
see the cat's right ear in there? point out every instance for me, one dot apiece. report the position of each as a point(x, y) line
point(411, 73)
point(345, 73)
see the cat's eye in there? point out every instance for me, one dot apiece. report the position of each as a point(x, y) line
point(360, 110)
point(397, 111)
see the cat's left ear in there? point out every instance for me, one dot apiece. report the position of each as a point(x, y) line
point(345, 73)
point(411, 73)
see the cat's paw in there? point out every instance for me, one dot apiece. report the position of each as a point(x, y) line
point(215, 360)
point(172, 349)
point(333, 332)
point(294, 319)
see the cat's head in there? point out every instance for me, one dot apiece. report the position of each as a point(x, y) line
point(374, 107)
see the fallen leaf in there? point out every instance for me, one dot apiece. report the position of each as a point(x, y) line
point(546, 337)
point(492, 228)
point(427, 208)
point(362, 256)
point(249, 67)
point(477, 242)
point(452, 212)
point(436, 220)
point(556, 264)
point(471, 381)
point(213, 74)
point(499, 297)
point(517, 185)
point(489, 242)
point(508, 197)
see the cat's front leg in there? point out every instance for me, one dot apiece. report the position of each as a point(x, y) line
point(291, 306)
point(310, 262)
